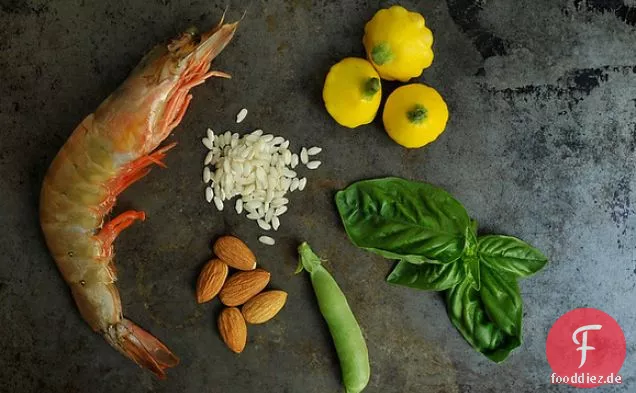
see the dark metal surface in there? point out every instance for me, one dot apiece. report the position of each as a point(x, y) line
point(541, 145)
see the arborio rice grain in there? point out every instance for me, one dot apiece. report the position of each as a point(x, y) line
point(258, 169)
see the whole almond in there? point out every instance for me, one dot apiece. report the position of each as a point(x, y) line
point(264, 306)
point(243, 286)
point(235, 253)
point(211, 280)
point(233, 329)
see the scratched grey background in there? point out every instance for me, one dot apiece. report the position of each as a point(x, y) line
point(541, 145)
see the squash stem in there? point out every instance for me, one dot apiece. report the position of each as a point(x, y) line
point(370, 87)
point(417, 114)
point(382, 54)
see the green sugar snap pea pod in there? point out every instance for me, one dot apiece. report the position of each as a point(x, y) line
point(345, 331)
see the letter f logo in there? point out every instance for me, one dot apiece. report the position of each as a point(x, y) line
point(584, 347)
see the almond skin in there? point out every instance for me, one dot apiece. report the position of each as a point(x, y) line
point(235, 253)
point(243, 286)
point(233, 329)
point(211, 280)
point(264, 306)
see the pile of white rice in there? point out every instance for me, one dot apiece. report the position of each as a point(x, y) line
point(258, 169)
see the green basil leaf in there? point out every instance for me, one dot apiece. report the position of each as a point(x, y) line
point(472, 266)
point(502, 300)
point(427, 276)
point(401, 219)
point(470, 235)
point(467, 312)
point(511, 255)
point(470, 259)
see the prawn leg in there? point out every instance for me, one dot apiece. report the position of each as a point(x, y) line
point(113, 228)
point(136, 170)
point(139, 168)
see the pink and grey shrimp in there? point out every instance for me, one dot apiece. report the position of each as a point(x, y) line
point(109, 150)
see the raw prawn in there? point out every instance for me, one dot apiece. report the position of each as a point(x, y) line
point(109, 150)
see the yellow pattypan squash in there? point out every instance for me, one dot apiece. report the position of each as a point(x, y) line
point(398, 43)
point(352, 92)
point(415, 115)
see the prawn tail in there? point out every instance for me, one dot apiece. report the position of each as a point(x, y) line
point(141, 347)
